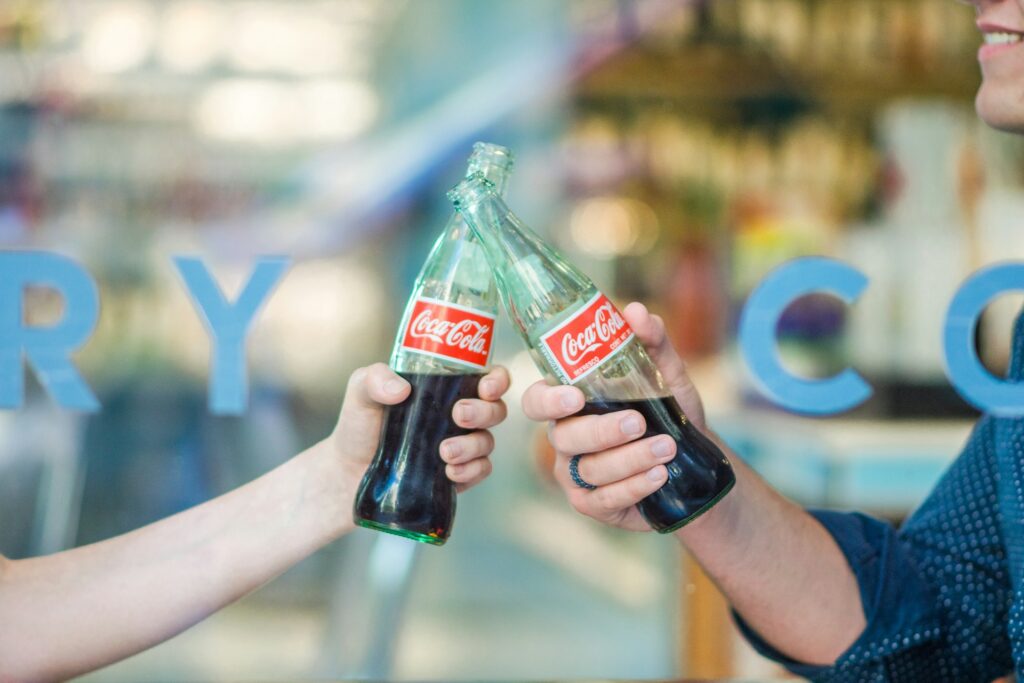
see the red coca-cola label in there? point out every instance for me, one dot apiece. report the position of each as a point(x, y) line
point(449, 331)
point(586, 340)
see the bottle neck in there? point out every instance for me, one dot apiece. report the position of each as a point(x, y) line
point(486, 215)
point(497, 174)
point(492, 161)
point(534, 280)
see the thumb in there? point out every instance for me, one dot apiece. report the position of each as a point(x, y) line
point(370, 390)
point(650, 330)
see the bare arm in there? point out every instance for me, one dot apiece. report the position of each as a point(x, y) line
point(81, 609)
point(779, 569)
point(778, 566)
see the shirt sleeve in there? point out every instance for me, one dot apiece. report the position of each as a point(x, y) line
point(936, 594)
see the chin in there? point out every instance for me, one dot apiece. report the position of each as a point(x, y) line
point(1001, 109)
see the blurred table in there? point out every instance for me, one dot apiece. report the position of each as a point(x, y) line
point(883, 467)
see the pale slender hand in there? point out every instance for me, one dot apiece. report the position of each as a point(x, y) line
point(624, 470)
point(373, 388)
point(84, 608)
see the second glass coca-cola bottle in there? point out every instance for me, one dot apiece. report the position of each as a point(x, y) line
point(576, 336)
point(442, 349)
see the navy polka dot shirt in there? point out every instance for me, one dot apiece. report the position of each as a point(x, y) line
point(944, 595)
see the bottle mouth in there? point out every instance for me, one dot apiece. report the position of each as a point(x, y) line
point(474, 188)
point(488, 154)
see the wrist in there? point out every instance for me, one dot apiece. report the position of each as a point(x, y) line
point(721, 524)
point(716, 526)
point(336, 480)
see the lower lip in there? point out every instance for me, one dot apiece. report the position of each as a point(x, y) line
point(989, 51)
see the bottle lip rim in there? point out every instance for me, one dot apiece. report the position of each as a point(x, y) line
point(476, 180)
point(494, 153)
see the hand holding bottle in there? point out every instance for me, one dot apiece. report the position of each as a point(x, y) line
point(441, 352)
point(371, 389)
point(577, 337)
point(624, 466)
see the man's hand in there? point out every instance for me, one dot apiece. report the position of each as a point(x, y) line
point(778, 567)
point(372, 388)
point(624, 470)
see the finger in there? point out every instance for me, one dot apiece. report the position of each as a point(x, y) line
point(593, 433)
point(494, 384)
point(650, 330)
point(469, 473)
point(461, 449)
point(472, 413)
point(622, 495)
point(375, 385)
point(362, 411)
point(616, 464)
point(541, 401)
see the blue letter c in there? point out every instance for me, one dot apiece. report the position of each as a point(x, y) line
point(758, 344)
point(966, 373)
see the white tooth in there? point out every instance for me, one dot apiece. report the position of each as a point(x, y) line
point(1001, 38)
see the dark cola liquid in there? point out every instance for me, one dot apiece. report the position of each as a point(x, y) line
point(405, 491)
point(698, 476)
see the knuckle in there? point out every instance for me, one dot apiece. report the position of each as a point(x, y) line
point(474, 447)
point(640, 457)
point(641, 486)
point(558, 437)
point(604, 498)
point(489, 443)
point(500, 373)
point(467, 471)
point(533, 403)
point(357, 377)
point(578, 500)
point(379, 368)
point(486, 467)
point(552, 404)
point(608, 432)
point(466, 413)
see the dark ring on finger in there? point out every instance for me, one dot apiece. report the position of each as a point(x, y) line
point(574, 472)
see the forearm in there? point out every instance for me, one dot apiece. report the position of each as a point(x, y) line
point(780, 569)
point(77, 610)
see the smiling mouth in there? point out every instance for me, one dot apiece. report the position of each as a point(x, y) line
point(1002, 38)
point(997, 39)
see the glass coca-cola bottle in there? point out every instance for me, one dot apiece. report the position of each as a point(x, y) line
point(442, 349)
point(577, 336)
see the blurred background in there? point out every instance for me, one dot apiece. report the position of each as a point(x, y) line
point(677, 150)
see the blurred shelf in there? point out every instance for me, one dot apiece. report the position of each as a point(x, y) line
point(717, 74)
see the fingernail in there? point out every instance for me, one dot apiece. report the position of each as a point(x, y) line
point(466, 411)
point(630, 426)
point(394, 386)
point(656, 473)
point(451, 451)
point(662, 448)
point(488, 387)
point(570, 400)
